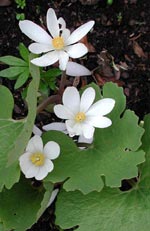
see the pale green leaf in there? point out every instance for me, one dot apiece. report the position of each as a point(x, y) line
point(25, 134)
point(8, 103)
point(2, 227)
point(15, 134)
point(13, 61)
point(111, 209)
point(24, 52)
point(114, 153)
point(12, 72)
point(22, 78)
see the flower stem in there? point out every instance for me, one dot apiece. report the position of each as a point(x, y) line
point(53, 98)
point(49, 100)
point(62, 83)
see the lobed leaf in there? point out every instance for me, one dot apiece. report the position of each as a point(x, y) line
point(22, 205)
point(111, 209)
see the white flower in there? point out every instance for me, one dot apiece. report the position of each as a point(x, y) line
point(36, 161)
point(81, 116)
point(60, 45)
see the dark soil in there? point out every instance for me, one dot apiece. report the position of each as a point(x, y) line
point(122, 29)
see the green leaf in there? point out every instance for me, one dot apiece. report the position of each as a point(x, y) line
point(6, 94)
point(111, 209)
point(12, 72)
point(31, 99)
point(49, 189)
point(22, 78)
point(43, 88)
point(13, 61)
point(51, 73)
point(114, 153)
point(24, 52)
point(1, 227)
point(49, 77)
point(20, 205)
point(15, 134)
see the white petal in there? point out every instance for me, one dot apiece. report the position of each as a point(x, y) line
point(53, 196)
point(88, 131)
point(34, 32)
point(80, 32)
point(38, 48)
point(24, 161)
point(75, 69)
point(62, 22)
point(65, 34)
point(44, 170)
point(57, 126)
point(52, 23)
point(74, 128)
point(76, 50)
point(71, 99)
point(35, 144)
point(100, 121)
point(63, 60)
point(36, 131)
point(82, 139)
point(46, 60)
point(69, 126)
point(102, 107)
point(87, 99)
point(32, 172)
point(52, 150)
point(62, 112)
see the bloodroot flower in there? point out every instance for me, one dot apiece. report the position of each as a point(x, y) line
point(58, 46)
point(36, 161)
point(81, 115)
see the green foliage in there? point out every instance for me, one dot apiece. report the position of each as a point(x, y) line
point(13, 61)
point(21, 206)
point(20, 16)
point(19, 69)
point(111, 209)
point(48, 79)
point(15, 133)
point(109, 2)
point(113, 154)
point(24, 52)
point(21, 3)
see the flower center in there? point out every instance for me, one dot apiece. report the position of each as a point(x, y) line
point(58, 43)
point(80, 116)
point(37, 158)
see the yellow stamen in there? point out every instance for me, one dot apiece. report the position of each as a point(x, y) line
point(80, 116)
point(37, 158)
point(58, 43)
